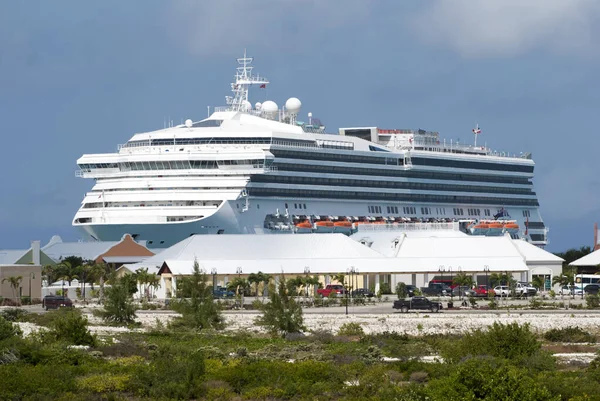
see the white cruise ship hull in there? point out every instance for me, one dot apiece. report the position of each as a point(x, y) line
point(231, 218)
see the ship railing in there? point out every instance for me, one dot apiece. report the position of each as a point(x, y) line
point(80, 173)
point(461, 148)
point(446, 226)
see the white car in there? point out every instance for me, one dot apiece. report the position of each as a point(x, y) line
point(502, 291)
point(570, 290)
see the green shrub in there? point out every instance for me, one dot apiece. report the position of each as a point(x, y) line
point(8, 329)
point(351, 329)
point(592, 301)
point(14, 314)
point(118, 303)
point(72, 327)
point(103, 383)
point(401, 290)
point(282, 315)
point(569, 335)
point(510, 341)
point(385, 288)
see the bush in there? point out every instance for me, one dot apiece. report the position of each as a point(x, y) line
point(385, 288)
point(509, 341)
point(282, 315)
point(14, 314)
point(351, 329)
point(569, 335)
point(592, 301)
point(118, 303)
point(401, 290)
point(72, 327)
point(8, 330)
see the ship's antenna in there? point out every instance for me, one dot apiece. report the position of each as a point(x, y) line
point(207, 111)
point(243, 80)
point(476, 131)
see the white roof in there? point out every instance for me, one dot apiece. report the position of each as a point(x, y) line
point(243, 247)
point(10, 257)
point(57, 250)
point(468, 253)
point(535, 254)
point(384, 241)
point(591, 259)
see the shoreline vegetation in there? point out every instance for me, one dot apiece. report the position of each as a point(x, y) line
point(66, 358)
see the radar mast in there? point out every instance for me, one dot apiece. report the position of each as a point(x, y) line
point(243, 80)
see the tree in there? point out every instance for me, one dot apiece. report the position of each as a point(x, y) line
point(462, 280)
point(118, 304)
point(15, 283)
point(340, 278)
point(572, 255)
point(100, 272)
point(538, 282)
point(255, 279)
point(266, 279)
point(144, 279)
point(282, 315)
point(311, 282)
point(239, 286)
point(50, 273)
point(561, 280)
point(197, 307)
point(67, 271)
point(84, 274)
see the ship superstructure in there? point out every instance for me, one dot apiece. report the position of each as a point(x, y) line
point(258, 169)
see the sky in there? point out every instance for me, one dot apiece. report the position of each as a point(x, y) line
point(82, 77)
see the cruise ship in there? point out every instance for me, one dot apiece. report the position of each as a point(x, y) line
point(264, 169)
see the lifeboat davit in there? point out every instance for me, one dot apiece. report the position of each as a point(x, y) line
point(324, 226)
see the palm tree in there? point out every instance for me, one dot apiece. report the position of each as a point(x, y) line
point(266, 279)
point(67, 271)
point(100, 272)
point(143, 279)
point(239, 286)
point(256, 279)
point(340, 278)
point(15, 283)
point(538, 282)
point(311, 281)
point(562, 280)
point(462, 280)
point(154, 283)
point(84, 274)
point(50, 273)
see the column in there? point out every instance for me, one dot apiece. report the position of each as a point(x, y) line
point(376, 283)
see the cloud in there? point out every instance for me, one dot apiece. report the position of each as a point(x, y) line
point(225, 27)
point(510, 27)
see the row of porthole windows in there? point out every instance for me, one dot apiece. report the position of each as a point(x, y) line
point(282, 179)
point(283, 166)
point(97, 205)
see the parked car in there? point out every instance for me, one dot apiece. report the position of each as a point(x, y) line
point(463, 291)
point(56, 301)
point(592, 289)
point(501, 291)
point(570, 290)
point(484, 291)
point(525, 289)
point(222, 292)
point(410, 289)
point(337, 289)
point(436, 289)
point(420, 303)
point(362, 292)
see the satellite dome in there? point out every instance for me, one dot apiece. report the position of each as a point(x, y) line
point(293, 105)
point(247, 106)
point(258, 105)
point(189, 123)
point(310, 114)
point(269, 108)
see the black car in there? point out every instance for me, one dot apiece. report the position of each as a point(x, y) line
point(362, 292)
point(410, 290)
point(592, 289)
point(56, 301)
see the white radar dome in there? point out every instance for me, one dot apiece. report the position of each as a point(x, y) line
point(189, 123)
point(310, 114)
point(293, 105)
point(270, 108)
point(247, 106)
point(258, 105)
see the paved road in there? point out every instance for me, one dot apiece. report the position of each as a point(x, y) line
point(385, 307)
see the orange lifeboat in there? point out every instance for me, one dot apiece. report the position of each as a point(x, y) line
point(343, 223)
point(325, 223)
point(304, 224)
point(511, 227)
point(324, 226)
point(495, 228)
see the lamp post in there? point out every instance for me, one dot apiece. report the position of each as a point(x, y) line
point(351, 270)
point(451, 284)
point(213, 271)
point(441, 269)
point(31, 276)
point(486, 269)
point(306, 273)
